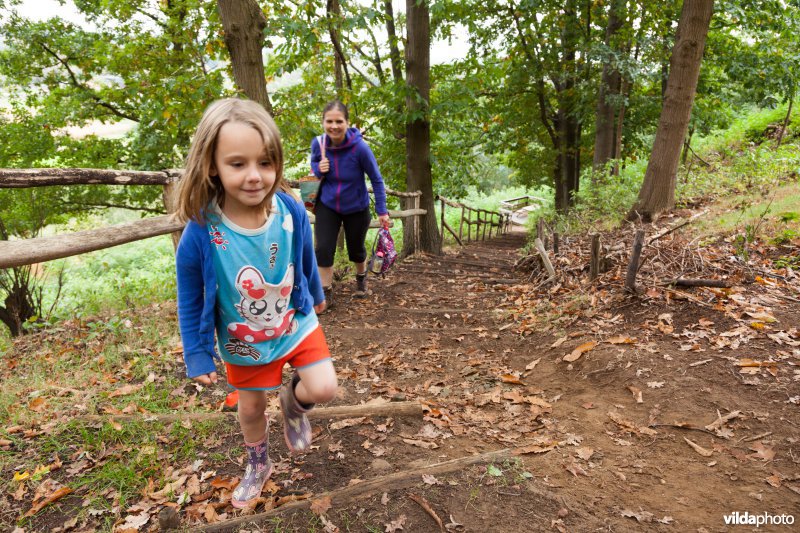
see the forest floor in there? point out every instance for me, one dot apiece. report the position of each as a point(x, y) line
point(661, 411)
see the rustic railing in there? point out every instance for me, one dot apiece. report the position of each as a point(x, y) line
point(484, 219)
point(28, 251)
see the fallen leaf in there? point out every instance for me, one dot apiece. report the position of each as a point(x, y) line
point(125, 390)
point(580, 350)
point(453, 525)
point(421, 444)
point(53, 497)
point(575, 469)
point(37, 404)
point(774, 480)
point(584, 453)
point(655, 384)
point(641, 516)
point(225, 482)
point(637, 393)
point(395, 525)
point(763, 452)
point(761, 317)
point(347, 422)
point(536, 448)
point(699, 449)
point(532, 364)
point(512, 379)
point(559, 342)
point(320, 506)
point(621, 339)
point(135, 521)
point(630, 426)
point(429, 479)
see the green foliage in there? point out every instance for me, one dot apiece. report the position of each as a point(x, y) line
point(118, 278)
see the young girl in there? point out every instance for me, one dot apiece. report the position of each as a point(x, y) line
point(343, 199)
point(247, 271)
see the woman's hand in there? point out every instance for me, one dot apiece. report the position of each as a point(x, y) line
point(324, 165)
point(384, 220)
point(206, 379)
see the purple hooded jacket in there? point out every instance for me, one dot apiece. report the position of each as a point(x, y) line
point(344, 189)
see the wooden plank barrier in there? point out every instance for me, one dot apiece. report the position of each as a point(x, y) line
point(484, 220)
point(14, 253)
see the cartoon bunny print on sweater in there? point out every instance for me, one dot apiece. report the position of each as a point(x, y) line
point(265, 307)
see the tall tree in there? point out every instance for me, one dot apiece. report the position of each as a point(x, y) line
point(244, 23)
point(418, 128)
point(658, 190)
point(334, 15)
point(609, 96)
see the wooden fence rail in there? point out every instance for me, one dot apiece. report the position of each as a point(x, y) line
point(484, 219)
point(28, 251)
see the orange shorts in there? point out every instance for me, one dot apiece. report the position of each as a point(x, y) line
point(312, 350)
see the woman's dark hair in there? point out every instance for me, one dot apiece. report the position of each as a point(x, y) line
point(336, 104)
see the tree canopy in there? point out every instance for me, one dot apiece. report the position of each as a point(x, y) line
point(522, 97)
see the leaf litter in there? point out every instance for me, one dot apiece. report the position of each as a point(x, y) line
point(496, 394)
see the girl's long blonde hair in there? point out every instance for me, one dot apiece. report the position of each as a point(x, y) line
point(196, 187)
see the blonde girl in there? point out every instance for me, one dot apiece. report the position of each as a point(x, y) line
point(247, 272)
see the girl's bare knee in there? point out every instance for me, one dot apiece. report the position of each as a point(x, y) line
point(250, 411)
point(324, 391)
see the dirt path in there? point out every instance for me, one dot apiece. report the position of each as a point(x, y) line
point(598, 439)
point(672, 414)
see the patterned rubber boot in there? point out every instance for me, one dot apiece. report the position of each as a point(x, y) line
point(296, 427)
point(361, 286)
point(258, 470)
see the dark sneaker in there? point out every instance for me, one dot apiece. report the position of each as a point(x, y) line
point(296, 427)
point(328, 293)
point(258, 470)
point(361, 286)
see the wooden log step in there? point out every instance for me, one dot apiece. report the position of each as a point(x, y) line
point(347, 411)
point(341, 497)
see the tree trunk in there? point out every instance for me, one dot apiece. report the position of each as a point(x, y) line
point(658, 190)
point(339, 61)
point(334, 13)
point(244, 23)
point(785, 120)
point(610, 87)
point(567, 124)
point(619, 123)
point(418, 130)
point(394, 52)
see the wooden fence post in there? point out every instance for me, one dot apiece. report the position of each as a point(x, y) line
point(594, 265)
point(545, 259)
point(633, 265)
point(417, 201)
point(441, 200)
point(461, 224)
point(170, 199)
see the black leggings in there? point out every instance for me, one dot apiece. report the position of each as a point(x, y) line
point(326, 231)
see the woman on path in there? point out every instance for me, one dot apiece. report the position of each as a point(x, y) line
point(341, 158)
point(247, 271)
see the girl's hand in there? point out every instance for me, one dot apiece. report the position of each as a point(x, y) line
point(206, 379)
point(384, 220)
point(324, 165)
point(321, 307)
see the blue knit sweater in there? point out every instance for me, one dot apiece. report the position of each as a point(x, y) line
point(344, 189)
point(197, 286)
